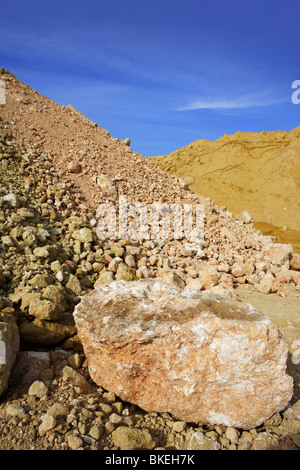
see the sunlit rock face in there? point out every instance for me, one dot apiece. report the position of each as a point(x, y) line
point(202, 357)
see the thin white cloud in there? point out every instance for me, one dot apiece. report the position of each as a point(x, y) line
point(238, 103)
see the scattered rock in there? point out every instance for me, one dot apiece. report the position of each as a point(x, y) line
point(279, 254)
point(266, 285)
point(127, 438)
point(125, 273)
point(58, 411)
point(74, 167)
point(245, 217)
point(48, 423)
point(196, 440)
point(295, 261)
point(107, 186)
point(232, 434)
point(70, 375)
point(74, 442)
point(126, 141)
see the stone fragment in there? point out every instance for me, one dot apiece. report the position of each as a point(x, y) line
point(58, 411)
point(223, 290)
point(27, 298)
point(48, 423)
point(278, 254)
point(44, 310)
point(74, 167)
point(70, 375)
point(295, 261)
point(201, 357)
point(223, 267)
point(104, 278)
point(46, 374)
point(38, 389)
point(130, 261)
point(83, 235)
point(11, 199)
point(114, 263)
point(41, 252)
point(232, 434)
point(9, 347)
point(209, 277)
point(40, 281)
point(50, 305)
point(179, 426)
point(15, 410)
point(125, 273)
point(266, 285)
point(126, 141)
point(96, 431)
point(117, 250)
point(196, 440)
point(237, 270)
point(25, 213)
point(74, 442)
point(73, 285)
point(7, 241)
point(128, 438)
point(115, 418)
point(107, 186)
point(265, 441)
point(245, 217)
point(117, 407)
point(195, 284)
point(45, 332)
point(75, 360)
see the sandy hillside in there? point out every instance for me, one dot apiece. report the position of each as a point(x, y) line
point(256, 172)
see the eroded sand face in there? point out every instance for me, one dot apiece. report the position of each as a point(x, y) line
point(256, 172)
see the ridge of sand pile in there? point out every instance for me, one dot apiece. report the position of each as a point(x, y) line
point(256, 172)
point(79, 148)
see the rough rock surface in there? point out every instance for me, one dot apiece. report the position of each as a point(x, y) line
point(9, 347)
point(48, 150)
point(204, 358)
point(48, 237)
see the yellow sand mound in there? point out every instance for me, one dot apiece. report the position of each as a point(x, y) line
point(256, 172)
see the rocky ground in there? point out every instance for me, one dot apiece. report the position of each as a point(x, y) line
point(51, 164)
point(64, 410)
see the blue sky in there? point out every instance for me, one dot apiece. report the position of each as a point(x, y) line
point(163, 73)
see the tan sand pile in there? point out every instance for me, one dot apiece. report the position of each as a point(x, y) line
point(256, 172)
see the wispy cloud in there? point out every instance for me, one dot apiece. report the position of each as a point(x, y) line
point(236, 103)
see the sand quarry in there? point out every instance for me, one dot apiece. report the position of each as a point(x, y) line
point(54, 161)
